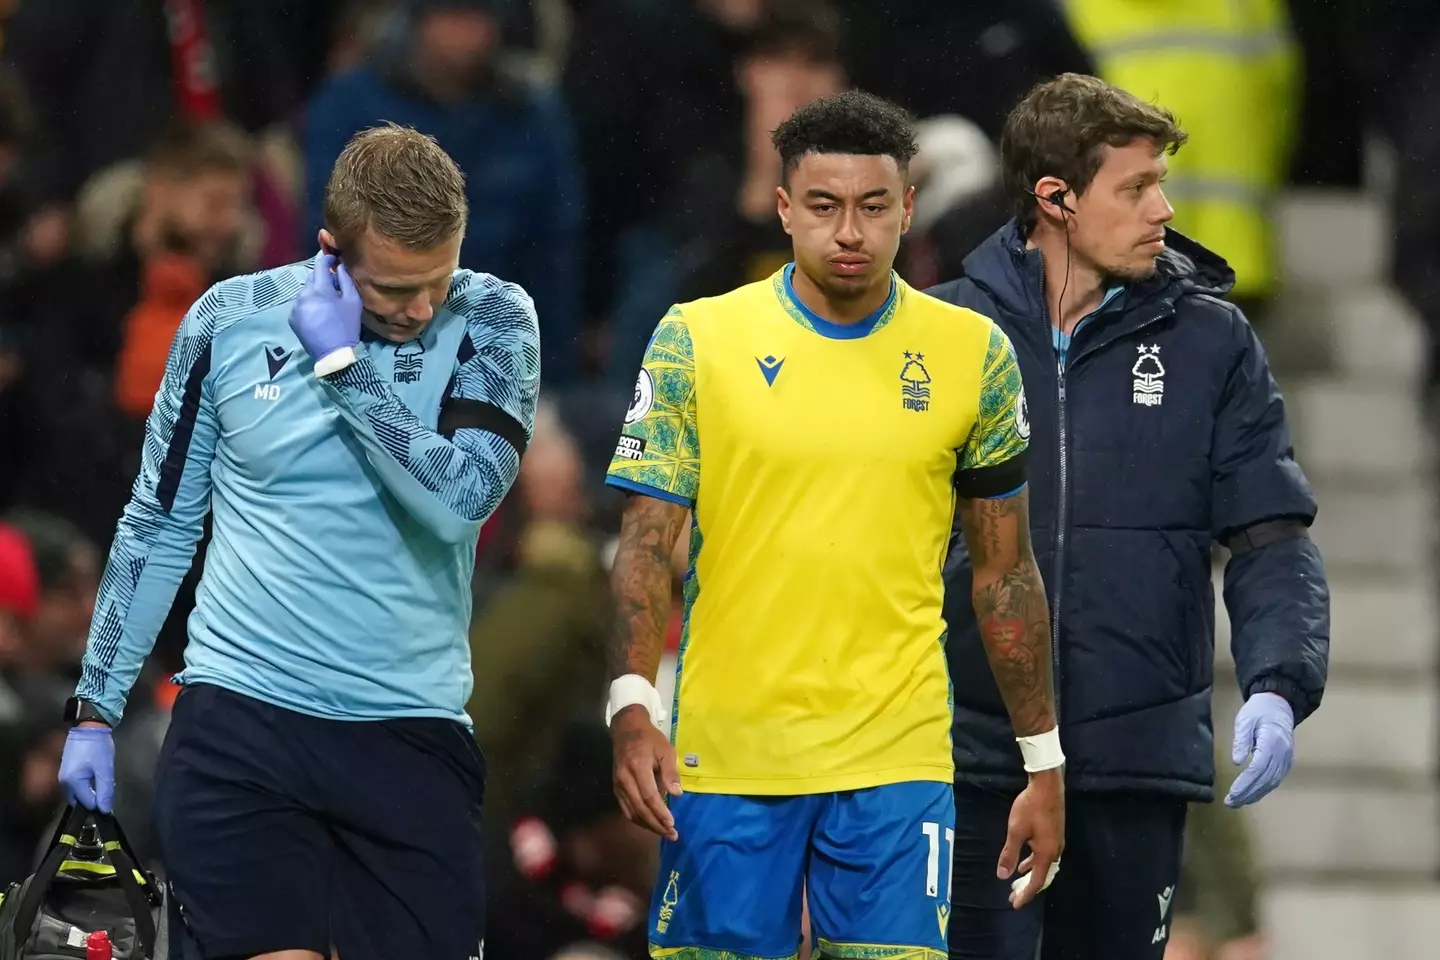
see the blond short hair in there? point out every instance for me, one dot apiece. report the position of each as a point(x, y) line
point(398, 182)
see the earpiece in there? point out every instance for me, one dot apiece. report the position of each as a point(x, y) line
point(1055, 199)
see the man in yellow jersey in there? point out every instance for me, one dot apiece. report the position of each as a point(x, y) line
point(840, 414)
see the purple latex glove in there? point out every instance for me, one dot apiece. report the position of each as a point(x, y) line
point(1265, 732)
point(87, 768)
point(326, 314)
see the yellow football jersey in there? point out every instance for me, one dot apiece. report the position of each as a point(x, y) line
point(822, 463)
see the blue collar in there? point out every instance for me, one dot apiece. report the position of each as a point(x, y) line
point(836, 331)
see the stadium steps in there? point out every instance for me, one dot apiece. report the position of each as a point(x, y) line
point(1350, 845)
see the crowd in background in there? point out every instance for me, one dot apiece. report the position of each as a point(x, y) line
point(617, 160)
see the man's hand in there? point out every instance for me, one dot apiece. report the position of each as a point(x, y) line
point(87, 767)
point(1265, 732)
point(644, 771)
point(326, 314)
point(1037, 818)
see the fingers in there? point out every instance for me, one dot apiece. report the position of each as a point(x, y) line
point(669, 779)
point(655, 801)
point(1010, 853)
point(625, 808)
point(82, 794)
point(105, 794)
point(1244, 738)
point(1241, 791)
point(348, 290)
point(1030, 886)
point(636, 779)
point(320, 276)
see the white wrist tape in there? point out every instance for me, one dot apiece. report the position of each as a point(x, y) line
point(632, 689)
point(1021, 882)
point(1042, 751)
point(334, 361)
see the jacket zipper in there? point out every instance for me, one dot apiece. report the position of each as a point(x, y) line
point(1062, 521)
point(1062, 512)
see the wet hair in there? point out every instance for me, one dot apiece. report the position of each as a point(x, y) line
point(853, 122)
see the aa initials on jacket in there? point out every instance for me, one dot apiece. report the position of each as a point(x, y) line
point(1162, 433)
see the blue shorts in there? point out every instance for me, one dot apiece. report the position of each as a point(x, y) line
point(281, 831)
point(874, 865)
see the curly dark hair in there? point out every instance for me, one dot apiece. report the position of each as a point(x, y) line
point(852, 122)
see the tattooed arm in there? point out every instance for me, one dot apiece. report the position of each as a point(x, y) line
point(644, 757)
point(641, 579)
point(1010, 606)
point(658, 463)
point(1009, 599)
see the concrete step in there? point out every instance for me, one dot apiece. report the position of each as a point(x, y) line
point(1334, 829)
point(1332, 238)
point(1384, 626)
point(1367, 334)
point(1373, 727)
point(1348, 428)
point(1384, 528)
point(1352, 922)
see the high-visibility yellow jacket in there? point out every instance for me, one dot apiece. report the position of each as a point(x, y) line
point(1229, 70)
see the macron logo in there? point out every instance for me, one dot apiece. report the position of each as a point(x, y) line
point(275, 359)
point(770, 367)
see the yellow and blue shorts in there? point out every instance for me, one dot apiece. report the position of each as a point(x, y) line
point(874, 864)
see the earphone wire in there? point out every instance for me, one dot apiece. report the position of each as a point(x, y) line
point(1060, 304)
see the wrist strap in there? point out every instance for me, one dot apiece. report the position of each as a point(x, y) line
point(632, 689)
point(335, 361)
point(1042, 751)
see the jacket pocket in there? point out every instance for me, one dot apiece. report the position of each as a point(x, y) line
point(1190, 552)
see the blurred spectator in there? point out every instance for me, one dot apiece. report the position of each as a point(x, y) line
point(30, 746)
point(183, 210)
point(958, 200)
point(652, 84)
point(32, 694)
point(725, 209)
point(975, 59)
point(67, 564)
point(440, 71)
point(107, 78)
point(572, 874)
point(19, 597)
point(538, 645)
point(1230, 72)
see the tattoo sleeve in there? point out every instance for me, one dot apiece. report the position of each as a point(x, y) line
point(1010, 605)
point(641, 579)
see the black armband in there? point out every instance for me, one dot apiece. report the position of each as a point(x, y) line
point(1264, 533)
point(459, 413)
point(980, 482)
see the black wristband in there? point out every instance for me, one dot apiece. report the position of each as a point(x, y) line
point(82, 711)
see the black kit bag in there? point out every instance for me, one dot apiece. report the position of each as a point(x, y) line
point(88, 881)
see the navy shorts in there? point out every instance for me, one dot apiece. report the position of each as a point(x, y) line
point(1111, 900)
point(282, 831)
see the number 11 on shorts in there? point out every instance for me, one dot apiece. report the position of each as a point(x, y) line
point(931, 829)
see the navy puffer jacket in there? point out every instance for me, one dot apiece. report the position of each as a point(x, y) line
point(1163, 433)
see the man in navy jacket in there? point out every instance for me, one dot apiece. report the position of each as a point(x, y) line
point(1156, 431)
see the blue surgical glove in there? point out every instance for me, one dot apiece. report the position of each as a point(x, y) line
point(1265, 732)
point(326, 314)
point(87, 768)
